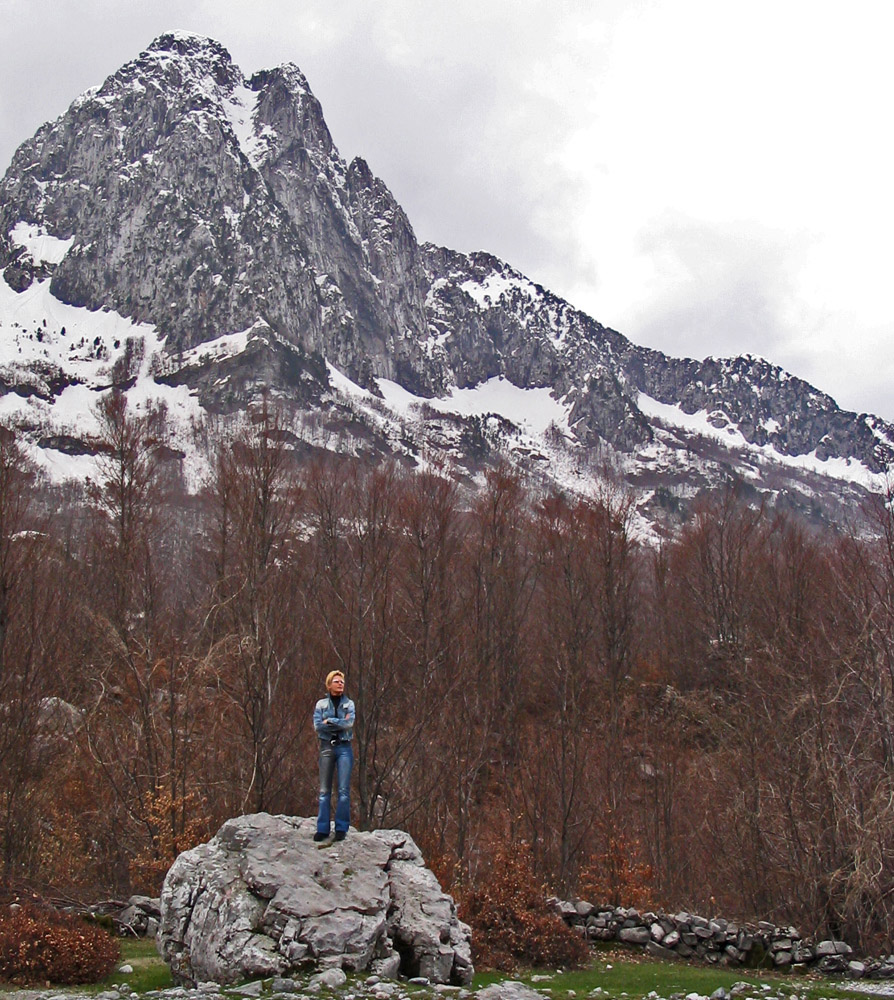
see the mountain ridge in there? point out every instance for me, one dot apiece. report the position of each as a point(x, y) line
point(185, 197)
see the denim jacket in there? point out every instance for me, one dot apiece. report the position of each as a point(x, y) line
point(343, 730)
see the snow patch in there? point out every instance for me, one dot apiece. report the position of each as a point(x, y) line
point(488, 292)
point(44, 249)
point(41, 337)
point(240, 108)
point(341, 383)
point(845, 469)
point(532, 410)
point(226, 346)
point(37, 329)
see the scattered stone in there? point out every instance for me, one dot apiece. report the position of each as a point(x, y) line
point(125, 970)
point(279, 985)
point(254, 989)
point(508, 990)
point(332, 979)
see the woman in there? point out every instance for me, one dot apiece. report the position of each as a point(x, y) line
point(334, 725)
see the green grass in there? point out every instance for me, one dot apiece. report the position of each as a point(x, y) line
point(150, 972)
point(614, 975)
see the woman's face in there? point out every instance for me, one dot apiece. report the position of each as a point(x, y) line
point(337, 685)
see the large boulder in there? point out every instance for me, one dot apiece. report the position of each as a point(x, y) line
point(262, 899)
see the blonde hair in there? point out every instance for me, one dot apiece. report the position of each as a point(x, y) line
point(332, 675)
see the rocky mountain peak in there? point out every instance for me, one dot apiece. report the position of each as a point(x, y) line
point(288, 74)
point(189, 43)
point(181, 58)
point(290, 114)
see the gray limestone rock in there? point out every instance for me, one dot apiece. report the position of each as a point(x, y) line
point(332, 979)
point(659, 951)
point(260, 900)
point(508, 990)
point(826, 948)
point(388, 967)
point(634, 935)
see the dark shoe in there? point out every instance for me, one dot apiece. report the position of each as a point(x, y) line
point(320, 836)
point(340, 834)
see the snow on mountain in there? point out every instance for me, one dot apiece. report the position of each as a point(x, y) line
point(240, 109)
point(61, 359)
point(717, 426)
point(531, 410)
point(43, 248)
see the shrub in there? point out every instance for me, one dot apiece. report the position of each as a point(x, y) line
point(44, 946)
point(177, 824)
point(616, 875)
point(512, 923)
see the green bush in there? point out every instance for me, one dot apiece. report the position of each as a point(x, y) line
point(512, 923)
point(44, 946)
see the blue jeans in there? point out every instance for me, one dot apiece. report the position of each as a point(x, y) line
point(337, 759)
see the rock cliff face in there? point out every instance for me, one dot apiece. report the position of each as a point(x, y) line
point(201, 202)
point(186, 197)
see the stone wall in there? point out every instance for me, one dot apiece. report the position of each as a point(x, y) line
point(138, 917)
point(718, 941)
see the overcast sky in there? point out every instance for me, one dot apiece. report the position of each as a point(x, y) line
point(709, 177)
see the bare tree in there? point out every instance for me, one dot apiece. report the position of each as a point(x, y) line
point(253, 625)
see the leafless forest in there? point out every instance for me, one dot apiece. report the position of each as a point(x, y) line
point(708, 724)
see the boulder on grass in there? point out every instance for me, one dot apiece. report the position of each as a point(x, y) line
point(262, 899)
